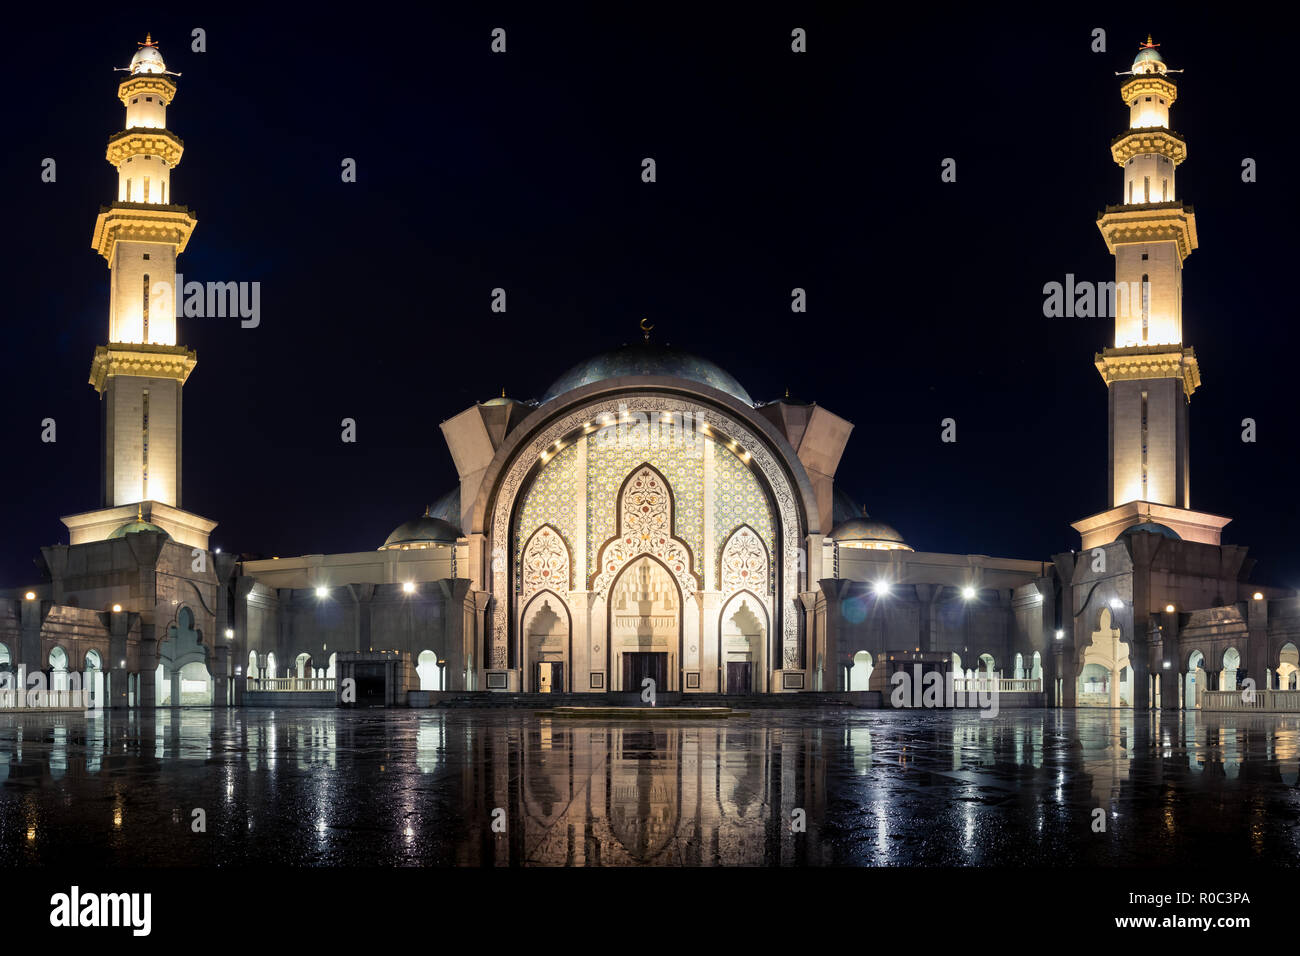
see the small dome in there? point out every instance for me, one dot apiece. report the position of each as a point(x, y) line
point(136, 527)
point(147, 59)
point(1149, 59)
point(1152, 527)
point(868, 532)
point(420, 533)
point(644, 358)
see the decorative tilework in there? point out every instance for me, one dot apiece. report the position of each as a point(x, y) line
point(552, 499)
point(738, 497)
point(610, 461)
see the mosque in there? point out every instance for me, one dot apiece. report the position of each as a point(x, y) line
point(647, 517)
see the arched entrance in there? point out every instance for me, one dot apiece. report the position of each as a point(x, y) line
point(182, 678)
point(742, 652)
point(1105, 676)
point(860, 672)
point(645, 626)
point(547, 634)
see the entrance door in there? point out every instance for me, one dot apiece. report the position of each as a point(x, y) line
point(548, 677)
point(639, 665)
point(738, 677)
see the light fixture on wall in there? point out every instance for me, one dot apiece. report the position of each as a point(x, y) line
point(1060, 634)
point(881, 587)
point(322, 592)
point(30, 595)
point(1116, 602)
point(1259, 596)
point(968, 592)
point(1169, 609)
point(408, 587)
point(117, 609)
point(230, 633)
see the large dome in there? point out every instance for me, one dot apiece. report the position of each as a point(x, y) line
point(644, 358)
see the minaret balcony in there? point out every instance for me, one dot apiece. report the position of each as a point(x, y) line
point(1151, 140)
point(1149, 84)
point(147, 84)
point(1149, 222)
point(145, 141)
point(141, 222)
point(1143, 362)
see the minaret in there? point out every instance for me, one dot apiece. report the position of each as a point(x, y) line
point(139, 374)
point(1148, 371)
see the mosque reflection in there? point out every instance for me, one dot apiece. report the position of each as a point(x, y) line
point(510, 788)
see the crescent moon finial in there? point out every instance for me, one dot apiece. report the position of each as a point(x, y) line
point(646, 326)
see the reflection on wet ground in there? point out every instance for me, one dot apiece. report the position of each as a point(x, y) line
point(479, 787)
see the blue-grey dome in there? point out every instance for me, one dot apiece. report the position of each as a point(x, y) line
point(137, 527)
point(644, 358)
point(1153, 527)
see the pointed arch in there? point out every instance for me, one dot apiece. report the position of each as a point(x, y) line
point(546, 562)
point(762, 652)
point(745, 562)
point(538, 602)
point(645, 515)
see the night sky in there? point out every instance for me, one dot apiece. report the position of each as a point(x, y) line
point(775, 170)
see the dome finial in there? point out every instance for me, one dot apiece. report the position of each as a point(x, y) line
point(139, 512)
point(503, 391)
point(646, 326)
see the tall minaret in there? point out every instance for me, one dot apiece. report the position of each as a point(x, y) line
point(139, 374)
point(1150, 374)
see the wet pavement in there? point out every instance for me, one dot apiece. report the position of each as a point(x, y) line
point(488, 787)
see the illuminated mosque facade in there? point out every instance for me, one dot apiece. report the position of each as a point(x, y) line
point(645, 518)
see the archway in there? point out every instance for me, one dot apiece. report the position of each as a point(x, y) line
point(182, 678)
point(1194, 681)
point(1228, 675)
point(547, 633)
point(93, 682)
point(302, 666)
point(58, 664)
point(1018, 672)
point(645, 626)
point(426, 667)
point(270, 666)
point(253, 672)
point(1036, 671)
point(1288, 668)
point(860, 672)
point(1105, 676)
point(742, 654)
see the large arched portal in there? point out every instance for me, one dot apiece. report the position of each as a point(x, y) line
point(1288, 667)
point(182, 678)
point(613, 479)
point(645, 626)
point(1105, 674)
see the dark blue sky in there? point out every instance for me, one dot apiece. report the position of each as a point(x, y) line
point(774, 171)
